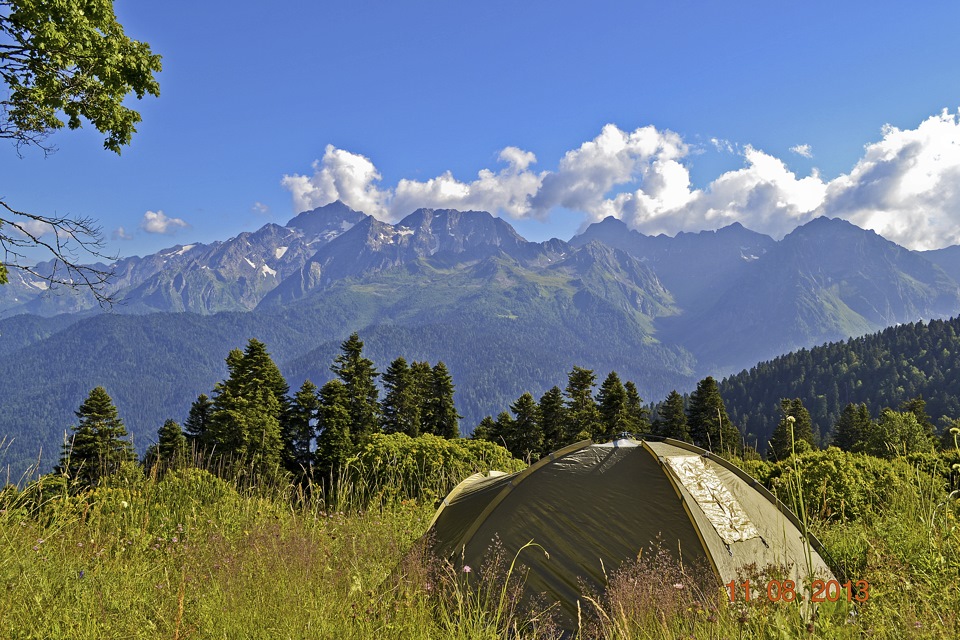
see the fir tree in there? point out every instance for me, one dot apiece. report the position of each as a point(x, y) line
point(638, 416)
point(198, 422)
point(614, 412)
point(527, 440)
point(672, 422)
point(504, 432)
point(710, 426)
point(443, 419)
point(401, 403)
point(334, 440)
point(553, 419)
point(99, 445)
point(171, 448)
point(583, 418)
point(853, 426)
point(485, 430)
point(300, 429)
point(794, 432)
point(250, 411)
point(359, 380)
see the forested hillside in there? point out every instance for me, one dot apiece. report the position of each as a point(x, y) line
point(881, 370)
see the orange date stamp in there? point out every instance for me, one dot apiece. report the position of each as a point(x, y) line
point(786, 591)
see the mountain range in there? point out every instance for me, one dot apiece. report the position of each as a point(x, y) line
point(505, 314)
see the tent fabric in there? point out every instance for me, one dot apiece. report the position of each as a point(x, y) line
point(591, 507)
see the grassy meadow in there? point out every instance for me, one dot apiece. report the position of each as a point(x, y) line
point(187, 555)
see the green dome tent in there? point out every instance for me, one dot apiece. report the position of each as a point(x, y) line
point(593, 506)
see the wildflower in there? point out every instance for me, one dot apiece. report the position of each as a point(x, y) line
point(678, 586)
point(955, 431)
point(81, 573)
point(174, 539)
point(917, 624)
point(124, 504)
point(466, 568)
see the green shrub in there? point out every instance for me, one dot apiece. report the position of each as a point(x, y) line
point(396, 466)
point(838, 485)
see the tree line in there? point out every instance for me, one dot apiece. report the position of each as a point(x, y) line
point(250, 424)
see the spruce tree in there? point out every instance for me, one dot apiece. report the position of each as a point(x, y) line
point(672, 422)
point(359, 380)
point(794, 432)
point(197, 424)
point(335, 442)
point(527, 433)
point(485, 430)
point(299, 429)
point(614, 412)
point(638, 416)
point(99, 445)
point(504, 432)
point(710, 426)
point(583, 418)
point(171, 445)
point(443, 419)
point(852, 428)
point(250, 411)
point(401, 403)
point(553, 419)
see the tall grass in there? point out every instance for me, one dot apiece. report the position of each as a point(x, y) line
point(187, 555)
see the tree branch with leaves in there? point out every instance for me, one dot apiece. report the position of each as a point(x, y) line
point(63, 63)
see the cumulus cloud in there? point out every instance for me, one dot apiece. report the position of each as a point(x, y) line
point(159, 222)
point(905, 187)
point(259, 207)
point(353, 179)
point(121, 234)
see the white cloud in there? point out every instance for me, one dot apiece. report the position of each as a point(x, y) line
point(354, 179)
point(121, 234)
point(259, 207)
point(905, 187)
point(159, 222)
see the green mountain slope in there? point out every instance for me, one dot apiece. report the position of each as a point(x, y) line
point(881, 370)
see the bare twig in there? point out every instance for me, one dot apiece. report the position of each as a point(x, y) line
point(71, 239)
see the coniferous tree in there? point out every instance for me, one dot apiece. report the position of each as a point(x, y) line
point(672, 422)
point(583, 418)
point(99, 445)
point(335, 441)
point(198, 422)
point(852, 428)
point(248, 417)
point(553, 419)
point(300, 429)
point(171, 449)
point(638, 416)
point(527, 441)
point(709, 424)
point(485, 430)
point(614, 412)
point(401, 403)
point(442, 416)
point(794, 432)
point(504, 432)
point(359, 380)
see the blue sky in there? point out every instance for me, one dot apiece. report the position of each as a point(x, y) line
point(671, 115)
